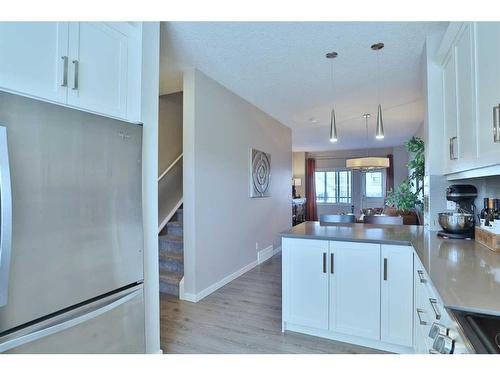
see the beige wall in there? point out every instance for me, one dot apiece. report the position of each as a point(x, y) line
point(299, 171)
point(224, 228)
point(169, 130)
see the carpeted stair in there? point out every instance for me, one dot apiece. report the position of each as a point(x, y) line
point(171, 257)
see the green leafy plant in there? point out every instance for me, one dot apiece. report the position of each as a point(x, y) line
point(408, 195)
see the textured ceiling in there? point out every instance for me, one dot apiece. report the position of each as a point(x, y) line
point(281, 68)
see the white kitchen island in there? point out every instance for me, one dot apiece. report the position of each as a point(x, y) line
point(373, 285)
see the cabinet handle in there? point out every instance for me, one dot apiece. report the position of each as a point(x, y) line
point(423, 280)
point(433, 302)
point(75, 79)
point(64, 82)
point(422, 322)
point(331, 263)
point(324, 262)
point(452, 148)
point(385, 269)
point(496, 128)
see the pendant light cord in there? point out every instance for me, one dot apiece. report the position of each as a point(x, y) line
point(331, 84)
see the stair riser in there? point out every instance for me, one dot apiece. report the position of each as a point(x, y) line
point(175, 230)
point(172, 265)
point(168, 288)
point(173, 246)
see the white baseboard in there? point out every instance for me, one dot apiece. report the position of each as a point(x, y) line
point(267, 253)
point(192, 297)
point(181, 288)
point(262, 256)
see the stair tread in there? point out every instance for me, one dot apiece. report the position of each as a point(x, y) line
point(171, 255)
point(174, 223)
point(170, 277)
point(171, 237)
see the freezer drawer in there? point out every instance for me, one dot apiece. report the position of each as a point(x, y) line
point(114, 324)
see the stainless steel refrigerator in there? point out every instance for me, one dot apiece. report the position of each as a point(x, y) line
point(71, 240)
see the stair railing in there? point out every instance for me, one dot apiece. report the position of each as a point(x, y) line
point(169, 192)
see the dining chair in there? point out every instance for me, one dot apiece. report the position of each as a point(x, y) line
point(383, 219)
point(337, 218)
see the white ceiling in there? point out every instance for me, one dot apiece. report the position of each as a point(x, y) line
point(281, 68)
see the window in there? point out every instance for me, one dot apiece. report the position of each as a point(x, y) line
point(333, 186)
point(374, 184)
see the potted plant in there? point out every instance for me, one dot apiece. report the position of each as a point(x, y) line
point(407, 197)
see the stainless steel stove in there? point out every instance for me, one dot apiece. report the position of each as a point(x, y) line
point(483, 331)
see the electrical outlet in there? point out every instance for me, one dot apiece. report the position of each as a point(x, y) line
point(451, 205)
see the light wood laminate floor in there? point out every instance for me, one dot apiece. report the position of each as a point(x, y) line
point(244, 316)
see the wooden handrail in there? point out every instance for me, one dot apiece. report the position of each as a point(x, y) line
point(170, 167)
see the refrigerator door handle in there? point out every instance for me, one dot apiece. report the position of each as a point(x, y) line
point(66, 324)
point(5, 217)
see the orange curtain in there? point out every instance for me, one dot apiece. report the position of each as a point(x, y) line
point(389, 179)
point(311, 209)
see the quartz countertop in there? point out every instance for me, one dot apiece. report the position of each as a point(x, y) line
point(465, 274)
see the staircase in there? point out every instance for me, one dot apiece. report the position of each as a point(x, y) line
point(171, 246)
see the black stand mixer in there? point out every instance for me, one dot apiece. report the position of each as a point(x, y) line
point(459, 224)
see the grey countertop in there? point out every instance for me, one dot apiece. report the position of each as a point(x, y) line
point(466, 274)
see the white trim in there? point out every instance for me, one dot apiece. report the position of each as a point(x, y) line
point(192, 297)
point(262, 256)
point(181, 288)
point(169, 216)
point(267, 253)
point(361, 341)
point(170, 167)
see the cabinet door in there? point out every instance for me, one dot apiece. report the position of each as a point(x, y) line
point(355, 289)
point(450, 112)
point(467, 144)
point(98, 68)
point(488, 88)
point(33, 59)
point(397, 295)
point(305, 282)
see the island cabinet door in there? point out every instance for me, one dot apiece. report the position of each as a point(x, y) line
point(355, 289)
point(397, 295)
point(305, 282)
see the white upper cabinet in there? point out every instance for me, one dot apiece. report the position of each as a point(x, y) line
point(33, 59)
point(488, 90)
point(305, 281)
point(98, 68)
point(93, 66)
point(450, 111)
point(355, 289)
point(464, 53)
point(396, 323)
point(471, 98)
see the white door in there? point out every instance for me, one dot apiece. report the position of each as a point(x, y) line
point(355, 289)
point(465, 96)
point(373, 188)
point(397, 295)
point(305, 282)
point(33, 58)
point(98, 68)
point(450, 112)
point(488, 88)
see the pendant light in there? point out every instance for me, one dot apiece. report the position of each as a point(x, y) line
point(333, 123)
point(379, 134)
point(367, 162)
